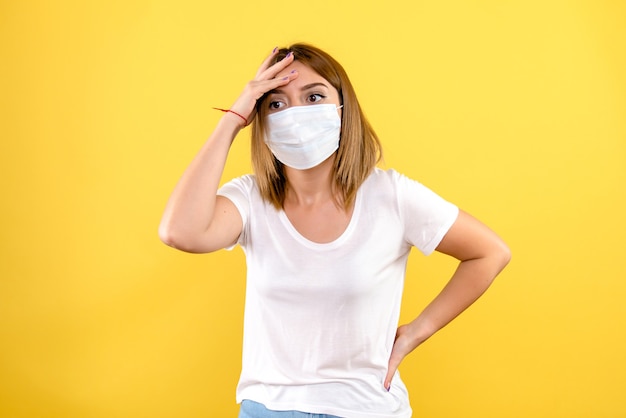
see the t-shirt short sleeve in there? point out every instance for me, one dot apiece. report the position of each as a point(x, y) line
point(239, 191)
point(426, 215)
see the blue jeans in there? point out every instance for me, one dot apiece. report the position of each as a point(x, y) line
point(251, 409)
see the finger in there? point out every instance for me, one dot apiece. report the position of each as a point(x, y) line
point(264, 86)
point(387, 383)
point(283, 80)
point(255, 91)
point(391, 371)
point(267, 62)
point(273, 70)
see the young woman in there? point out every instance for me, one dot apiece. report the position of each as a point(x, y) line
point(326, 236)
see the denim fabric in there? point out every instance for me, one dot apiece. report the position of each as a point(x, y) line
point(251, 409)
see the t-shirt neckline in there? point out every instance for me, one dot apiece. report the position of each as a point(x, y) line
point(345, 235)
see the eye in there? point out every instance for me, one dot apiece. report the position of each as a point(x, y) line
point(316, 97)
point(275, 105)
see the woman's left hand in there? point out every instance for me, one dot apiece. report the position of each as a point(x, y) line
point(402, 346)
point(482, 255)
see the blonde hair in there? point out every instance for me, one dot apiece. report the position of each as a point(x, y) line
point(359, 147)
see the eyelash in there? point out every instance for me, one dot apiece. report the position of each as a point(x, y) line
point(321, 96)
point(273, 105)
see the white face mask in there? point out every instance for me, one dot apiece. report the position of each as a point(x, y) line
point(301, 137)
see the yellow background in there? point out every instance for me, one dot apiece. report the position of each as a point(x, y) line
point(515, 110)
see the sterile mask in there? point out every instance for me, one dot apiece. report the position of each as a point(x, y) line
point(302, 137)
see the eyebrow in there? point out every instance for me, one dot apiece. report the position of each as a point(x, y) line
point(306, 87)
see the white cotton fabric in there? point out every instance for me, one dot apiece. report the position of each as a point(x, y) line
point(320, 319)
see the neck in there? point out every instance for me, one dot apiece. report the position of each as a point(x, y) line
point(310, 187)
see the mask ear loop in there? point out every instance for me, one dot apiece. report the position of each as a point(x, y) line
point(339, 107)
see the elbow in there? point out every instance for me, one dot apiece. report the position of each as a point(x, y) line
point(167, 235)
point(173, 237)
point(184, 240)
point(503, 256)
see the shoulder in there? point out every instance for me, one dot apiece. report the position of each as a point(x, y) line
point(390, 178)
point(243, 192)
point(247, 181)
point(245, 185)
point(425, 215)
point(380, 176)
point(407, 192)
point(385, 180)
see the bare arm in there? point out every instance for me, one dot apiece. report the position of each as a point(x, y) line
point(482, 255)
point(196, 219)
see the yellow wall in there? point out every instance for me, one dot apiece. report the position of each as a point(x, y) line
point(515, 110)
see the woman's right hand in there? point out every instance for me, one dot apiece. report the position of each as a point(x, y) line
point(196, 219)
point(264, 81)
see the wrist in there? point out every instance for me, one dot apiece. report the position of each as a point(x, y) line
point(243, 121)
point(228, 127)
point(420, 331)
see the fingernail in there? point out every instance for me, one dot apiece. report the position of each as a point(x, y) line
point(285, 78)
point(293, 71)
point(289, 54)
point(274, 50)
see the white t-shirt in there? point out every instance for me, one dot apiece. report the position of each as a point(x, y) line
point(320, 319)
